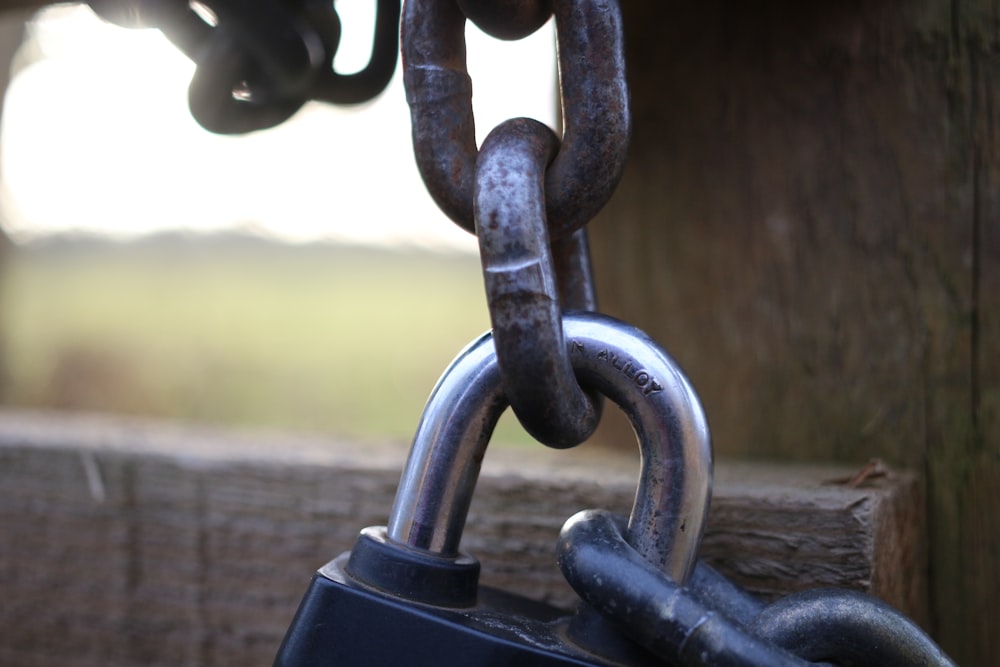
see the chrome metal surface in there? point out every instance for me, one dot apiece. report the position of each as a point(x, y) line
point(608, 356)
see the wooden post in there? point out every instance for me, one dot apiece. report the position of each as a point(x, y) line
point(130, 543)
point(13, 23)
point(810, 222)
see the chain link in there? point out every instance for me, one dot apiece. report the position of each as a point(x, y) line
point(706, 620)
point(521, 291)
point(507, 19)
point(259, 61)
point(525, 189)
point(675, 467)
point(595, 110)
point(575, 275)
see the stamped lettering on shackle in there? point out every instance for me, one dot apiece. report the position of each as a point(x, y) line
point(626, 367)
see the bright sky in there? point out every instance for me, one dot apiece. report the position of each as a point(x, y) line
point(97, 136)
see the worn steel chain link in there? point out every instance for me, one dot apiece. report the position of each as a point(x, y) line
point(526, 187)
point(594, 95)
point(520, 278)
point(259, 61)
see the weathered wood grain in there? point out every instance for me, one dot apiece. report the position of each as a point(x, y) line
point(132, 543)
point(809, 222)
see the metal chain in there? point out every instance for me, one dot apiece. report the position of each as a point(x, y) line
point(526, 194)
point(521, 291)
point(507, 19)
point(709, 621)
point(593, 91)
point(259, 61)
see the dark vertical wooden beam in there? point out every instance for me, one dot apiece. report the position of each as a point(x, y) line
point(965, 525)
point(809, 223)
point(13, 23)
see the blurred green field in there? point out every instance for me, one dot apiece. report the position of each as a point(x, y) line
point(238, 331)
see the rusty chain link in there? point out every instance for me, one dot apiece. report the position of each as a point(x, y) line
point(526, 194)
point(521, 290)
point(593, 91)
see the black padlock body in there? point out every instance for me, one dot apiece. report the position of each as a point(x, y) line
point(342, 622)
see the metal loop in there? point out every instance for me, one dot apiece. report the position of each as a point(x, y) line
point(846, 627)
point(331, 86)
point(710, 621)
point(653, 609)
point(439, 93)
point(611, 357)
point(259, 61)
point(507, 19)
point(521, 289)
point(574, 273)
point(211, 95)
point(275, 41)
point(597, 122)
point(174, 18)
point(594, 94)
point(262, 51)
point(717, 592)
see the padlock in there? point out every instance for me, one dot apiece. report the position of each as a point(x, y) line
point(406, 595)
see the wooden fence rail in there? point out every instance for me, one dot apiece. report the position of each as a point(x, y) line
point(139, 543)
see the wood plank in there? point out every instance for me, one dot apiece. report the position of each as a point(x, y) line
point(809, 223)
point(143, 543)
point(974, 474)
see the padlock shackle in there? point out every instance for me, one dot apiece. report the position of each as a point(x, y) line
point(609, 356)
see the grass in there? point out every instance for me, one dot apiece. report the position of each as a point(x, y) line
point(238, 331)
